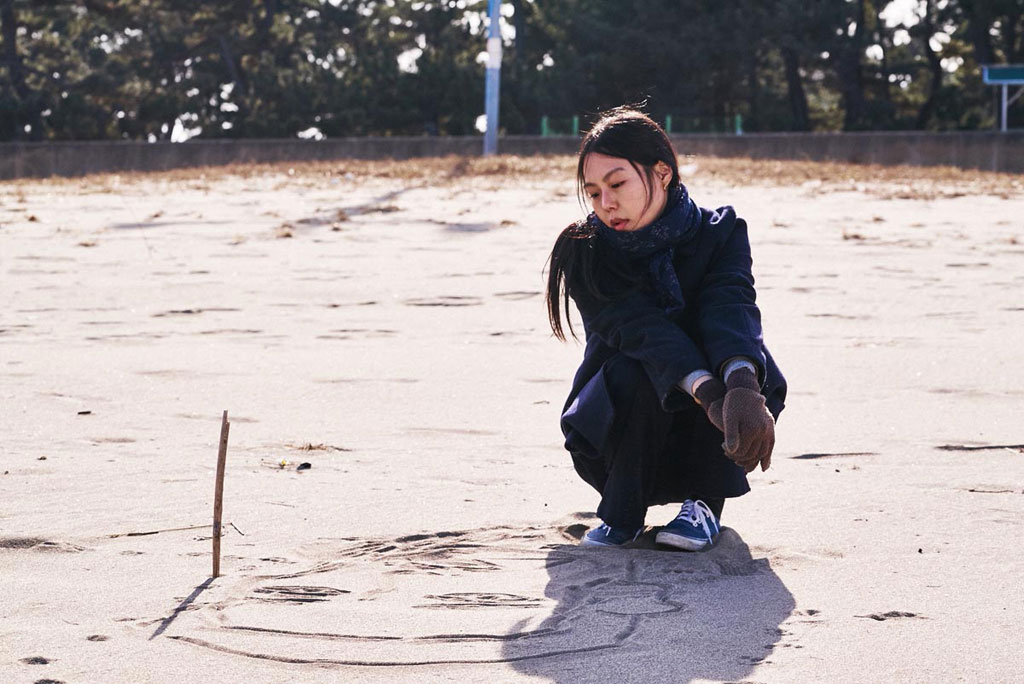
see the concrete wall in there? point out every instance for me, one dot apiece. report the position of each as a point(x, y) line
point(981, 150)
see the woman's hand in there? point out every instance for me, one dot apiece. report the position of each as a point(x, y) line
point(748, 426)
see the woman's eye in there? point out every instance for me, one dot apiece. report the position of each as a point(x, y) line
point(615, 185)
point(593, 195)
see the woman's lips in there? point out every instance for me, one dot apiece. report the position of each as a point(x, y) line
point(619, 224)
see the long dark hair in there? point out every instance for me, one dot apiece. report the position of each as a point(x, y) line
point(574, 265)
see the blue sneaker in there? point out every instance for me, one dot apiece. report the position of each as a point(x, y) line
point(606, 535)
point(692, 530)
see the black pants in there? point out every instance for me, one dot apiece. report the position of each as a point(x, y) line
point(653, 457)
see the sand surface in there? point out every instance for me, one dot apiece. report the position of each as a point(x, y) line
point(385, 324)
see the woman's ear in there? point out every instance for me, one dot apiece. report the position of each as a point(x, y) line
point(664, 173)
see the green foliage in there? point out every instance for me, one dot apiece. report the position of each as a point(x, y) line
point(140, 69)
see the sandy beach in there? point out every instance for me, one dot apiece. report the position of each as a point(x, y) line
point(384, 322)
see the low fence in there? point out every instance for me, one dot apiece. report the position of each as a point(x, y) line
point(974, 150)
point(989, 151)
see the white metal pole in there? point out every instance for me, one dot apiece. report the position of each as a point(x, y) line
point(1003, 126)
point(493, 84)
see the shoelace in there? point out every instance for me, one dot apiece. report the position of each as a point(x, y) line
point(697, 513)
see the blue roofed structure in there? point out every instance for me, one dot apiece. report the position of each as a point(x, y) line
point(1005, 75)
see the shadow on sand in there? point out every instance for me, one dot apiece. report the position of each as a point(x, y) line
point(655, 616)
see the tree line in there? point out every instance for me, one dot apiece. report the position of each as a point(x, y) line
point(152, 69)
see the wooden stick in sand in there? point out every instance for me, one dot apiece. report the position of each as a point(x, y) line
point(218, 492)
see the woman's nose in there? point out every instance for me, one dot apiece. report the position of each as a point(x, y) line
point(607, 201)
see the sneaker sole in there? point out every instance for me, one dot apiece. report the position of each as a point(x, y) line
point(602, 545)
point(681, 542)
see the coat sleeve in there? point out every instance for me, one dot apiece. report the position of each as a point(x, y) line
point(728, 318)
point(636, 326)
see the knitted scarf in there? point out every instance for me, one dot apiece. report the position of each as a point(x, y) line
point(656, 244)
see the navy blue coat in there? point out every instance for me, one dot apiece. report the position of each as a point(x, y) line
point(720, 320)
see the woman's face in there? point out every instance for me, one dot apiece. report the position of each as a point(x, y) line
point(619, 193)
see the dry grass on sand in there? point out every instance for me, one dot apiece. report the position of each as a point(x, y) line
point(882, 182)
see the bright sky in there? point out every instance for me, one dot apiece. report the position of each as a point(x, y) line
point(901, 11)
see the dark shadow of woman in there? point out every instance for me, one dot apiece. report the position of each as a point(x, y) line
point(647, 615)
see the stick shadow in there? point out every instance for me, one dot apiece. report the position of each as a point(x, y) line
point(166, 622)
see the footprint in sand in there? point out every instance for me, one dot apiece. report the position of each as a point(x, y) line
point(517, 295)
point(20, 542)
point(443, 300)
point(356, 333)
point(35, 544)
point(891, 615)
point(469, 600)
point(297, 594)
point(193, 312)
point(816, 455)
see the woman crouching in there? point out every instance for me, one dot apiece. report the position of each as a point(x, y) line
point(674, 361)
